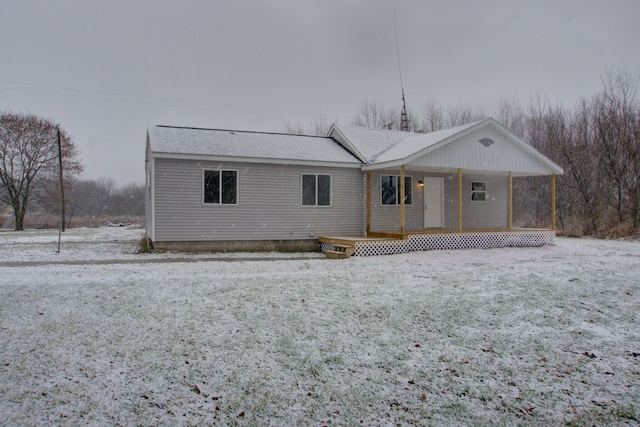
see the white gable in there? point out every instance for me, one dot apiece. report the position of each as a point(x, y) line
point(486, 150)
point(485, 147)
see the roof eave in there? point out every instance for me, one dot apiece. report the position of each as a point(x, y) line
point(256, 160)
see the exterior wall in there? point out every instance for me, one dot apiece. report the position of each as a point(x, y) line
point(269, 203)
point(492, 213)
point(384, 217)
point(489, 214)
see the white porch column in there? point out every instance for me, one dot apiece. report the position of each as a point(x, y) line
point(368, 230)
point(553, 201)
point(510, 203)
point(459, 200)
point(402, 194)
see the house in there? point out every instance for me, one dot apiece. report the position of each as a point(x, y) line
point(213, 189)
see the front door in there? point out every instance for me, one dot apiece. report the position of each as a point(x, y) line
point(433, 202)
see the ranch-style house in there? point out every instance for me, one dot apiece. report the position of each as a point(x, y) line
point(356, 191)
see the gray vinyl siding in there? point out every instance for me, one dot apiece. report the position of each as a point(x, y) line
point(387, 218)
point(489, 214)
point(269, 203)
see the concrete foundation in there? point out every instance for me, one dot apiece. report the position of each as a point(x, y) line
point(307, 245)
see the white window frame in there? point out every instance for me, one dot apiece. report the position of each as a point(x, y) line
point(410, 186)
point(316, 205)
point(221, 171)
point(478, 192)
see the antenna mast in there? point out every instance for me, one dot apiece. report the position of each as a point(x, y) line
point(404, 119)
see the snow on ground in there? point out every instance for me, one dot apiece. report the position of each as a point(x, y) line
point(528, 336)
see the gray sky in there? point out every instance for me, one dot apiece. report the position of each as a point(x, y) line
point(106, 70)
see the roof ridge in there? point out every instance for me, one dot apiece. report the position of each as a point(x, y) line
point(241, 131)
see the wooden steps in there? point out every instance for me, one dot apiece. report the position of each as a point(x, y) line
point(340, 251)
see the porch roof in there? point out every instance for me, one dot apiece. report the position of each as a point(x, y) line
point(485, 146)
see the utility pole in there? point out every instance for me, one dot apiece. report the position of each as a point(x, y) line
point(62, 227)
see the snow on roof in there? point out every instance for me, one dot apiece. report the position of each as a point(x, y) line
point(371, 142)
point(381, 145)
point(245, 144)
point(350, 146)
point(416, 142)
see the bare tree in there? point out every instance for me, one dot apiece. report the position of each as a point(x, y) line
point(461, 114)
point(318, 127)
point(511, 114)
point(432, 116)
point(376, 114)
point(615, 115)
point(29, 157)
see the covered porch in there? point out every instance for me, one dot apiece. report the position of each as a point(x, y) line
point(446, 224)
point(451, 189)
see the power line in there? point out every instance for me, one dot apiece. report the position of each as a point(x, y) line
point(148, 100)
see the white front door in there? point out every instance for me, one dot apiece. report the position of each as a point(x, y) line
point(433, 202)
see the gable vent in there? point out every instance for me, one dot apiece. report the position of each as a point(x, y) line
point(486, 141)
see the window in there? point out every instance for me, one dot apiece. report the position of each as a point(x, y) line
point(478, 191)
point(221, 187)
point(316, 190)
point(390, 189)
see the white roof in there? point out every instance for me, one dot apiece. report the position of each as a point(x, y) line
point(379, 145)
point(169, 141)
point(348, 146)
point(447, 149)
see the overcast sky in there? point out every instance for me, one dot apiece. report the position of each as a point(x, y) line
point(106, 70)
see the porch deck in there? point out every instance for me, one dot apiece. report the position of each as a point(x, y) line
point(394, 242)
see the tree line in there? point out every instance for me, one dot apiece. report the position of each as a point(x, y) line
point(597, 142)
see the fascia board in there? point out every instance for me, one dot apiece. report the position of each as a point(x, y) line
point(256, 160)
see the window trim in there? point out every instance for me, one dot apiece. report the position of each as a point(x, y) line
point(204, 171)
point(316, 205)
point(398, 191)
point(484, 192)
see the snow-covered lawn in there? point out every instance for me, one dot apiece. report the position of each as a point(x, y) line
point(533, 336)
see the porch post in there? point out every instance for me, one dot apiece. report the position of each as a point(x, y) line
point(553, 201)
point(368, 202)
point(510, 202)
point(402, 193)
point(460, 200)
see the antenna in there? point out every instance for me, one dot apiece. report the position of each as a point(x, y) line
point(404, 119)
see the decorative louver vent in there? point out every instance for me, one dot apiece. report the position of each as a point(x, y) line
point(486, 141)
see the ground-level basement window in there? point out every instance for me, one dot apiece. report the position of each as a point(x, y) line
point(390, 190)
point(478, 191)
point(316, 190)
point(220, 187)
